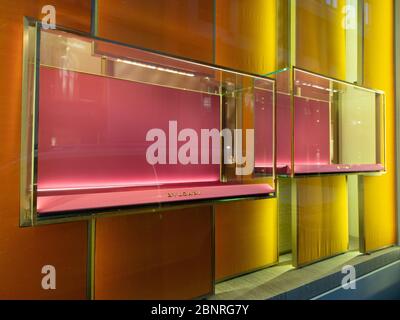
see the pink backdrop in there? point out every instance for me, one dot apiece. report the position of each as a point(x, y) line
point(92, 131)
point(92, 144)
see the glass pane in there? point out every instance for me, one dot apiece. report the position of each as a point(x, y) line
point(120, 126)
point(338, 126)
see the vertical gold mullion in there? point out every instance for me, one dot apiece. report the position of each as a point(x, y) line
point(91, 224)
point(293, 34)
point(91, 256)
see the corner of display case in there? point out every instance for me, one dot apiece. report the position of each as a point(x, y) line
point(27, 156)
point(336, 127)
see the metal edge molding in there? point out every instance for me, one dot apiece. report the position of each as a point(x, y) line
point(397, 107)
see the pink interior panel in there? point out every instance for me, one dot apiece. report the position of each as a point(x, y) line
point(311, 133)
point(92, 131)
point(283, 132)
point(92, 143)
point(312, 141)
point(263, 127)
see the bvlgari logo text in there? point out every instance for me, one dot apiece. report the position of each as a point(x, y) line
point(194, 150)
point(183, 194)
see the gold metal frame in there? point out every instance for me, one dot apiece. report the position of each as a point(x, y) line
point(381, 118)
point(28, 188)
point(28, 125)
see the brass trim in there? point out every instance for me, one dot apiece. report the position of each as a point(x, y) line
point(30, 217)
point(397, 109)
point(361, 213)
point(91, 257)
point(31, 42)
point(213, 255)
point(295, 227)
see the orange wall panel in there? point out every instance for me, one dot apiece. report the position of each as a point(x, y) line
point(246, 37)
point(166, 255)
point(24, 251)
point(179, 27)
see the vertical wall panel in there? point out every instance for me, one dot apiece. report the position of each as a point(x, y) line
point(143, 256)
point(322, 218)
point(179, 27)
point(246, 232)
point(24, 251)
point(285, 215)
point(321, 38)
point(379, 192)
point(164, 255)
point(246, 237)
point(322, 202)
point(246, 35)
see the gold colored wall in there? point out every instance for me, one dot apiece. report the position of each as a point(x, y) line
point(246, 232)
point(246, 35)
point(321, 38)
point(322, 218)
point(245, 237)
point(380, 192)
point(24, 251)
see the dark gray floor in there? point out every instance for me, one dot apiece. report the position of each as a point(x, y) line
point(285, 282)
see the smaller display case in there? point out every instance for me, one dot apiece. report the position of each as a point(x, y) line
point(107, 126)
point(327, 126)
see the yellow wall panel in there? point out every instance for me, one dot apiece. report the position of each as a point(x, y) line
point(321, 38)
point(380, 192)
point(322, 218)
point(246, 236)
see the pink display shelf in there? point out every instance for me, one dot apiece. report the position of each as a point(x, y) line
point(49, 202)
point(337, 168)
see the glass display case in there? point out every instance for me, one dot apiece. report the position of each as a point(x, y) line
point(327, 126)
point(110, 126)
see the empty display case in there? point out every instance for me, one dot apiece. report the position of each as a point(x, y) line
point(109, 126)
point(326, 126)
